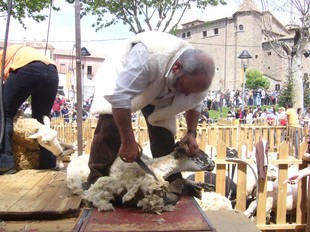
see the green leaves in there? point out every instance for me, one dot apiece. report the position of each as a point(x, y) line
point(255, 79)
point(141, 15)
point(27, 8)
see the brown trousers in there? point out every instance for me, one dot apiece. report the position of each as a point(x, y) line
point(106, 144)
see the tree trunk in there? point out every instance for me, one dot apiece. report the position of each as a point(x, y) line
point(297, 79)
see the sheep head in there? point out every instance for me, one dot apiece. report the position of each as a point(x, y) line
point(179, 161)
point(199, 162)
point(47, 137)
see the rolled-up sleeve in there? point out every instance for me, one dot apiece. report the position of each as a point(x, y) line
point(132, 80)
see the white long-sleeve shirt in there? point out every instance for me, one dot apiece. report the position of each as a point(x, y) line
point(133, 79)
point(139, 73)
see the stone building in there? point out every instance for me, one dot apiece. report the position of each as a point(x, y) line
point(247, 29)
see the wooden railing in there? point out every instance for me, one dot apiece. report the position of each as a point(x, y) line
point(226, 134)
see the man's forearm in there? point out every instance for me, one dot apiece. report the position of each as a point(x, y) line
point(192, 117)
point(122, 118)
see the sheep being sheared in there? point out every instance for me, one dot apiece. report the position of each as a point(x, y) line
point(129, 184)
point(28, 133)
point(77, 173)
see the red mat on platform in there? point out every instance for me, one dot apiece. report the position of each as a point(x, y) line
point(186, 217)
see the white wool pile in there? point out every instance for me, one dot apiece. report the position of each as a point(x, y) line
point(214, 201)
point(77, 172)
point(129, 183)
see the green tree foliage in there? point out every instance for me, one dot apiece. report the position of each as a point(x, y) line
point(286, 92)
point(141, 15)
point(306, 86)
point(255, 79)
point(27, 8)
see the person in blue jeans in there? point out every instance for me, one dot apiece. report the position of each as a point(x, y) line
point(65, 112)
point(27, 72)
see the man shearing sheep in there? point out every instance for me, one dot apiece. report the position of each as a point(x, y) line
point(162, 76)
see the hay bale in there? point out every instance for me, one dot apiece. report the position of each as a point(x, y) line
point(26, 150)
point(25, 158)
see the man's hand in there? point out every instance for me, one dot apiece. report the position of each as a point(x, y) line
point(129, 151)
point(190, 140)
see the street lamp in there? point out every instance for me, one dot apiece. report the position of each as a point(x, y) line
point(244, 56)
point(84, 53)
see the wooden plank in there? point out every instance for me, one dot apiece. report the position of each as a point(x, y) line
point(282, 188)
point(261, 207)
point(37, 194)
point(187, 216)
point(241, 193)
point(220, 184)
point(284, 227)
point(271, 139)
point(59, 225)
point(250, 140)
point(230, 221)
point(14, 187)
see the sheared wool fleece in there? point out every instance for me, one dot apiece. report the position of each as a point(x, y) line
point(213, 201)
point(163, 49)
point(133, 180)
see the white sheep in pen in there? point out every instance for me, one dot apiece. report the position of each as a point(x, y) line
point(28, 133)
point(129, 184)
point(272, 196)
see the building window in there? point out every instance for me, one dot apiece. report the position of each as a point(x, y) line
point(277, 87)
point(183, 35)
point(188, 34)
point(256, 56)
point(209, 33)
point(62, 69)
point(89, 70)
point(269, 53)
point(240, 27)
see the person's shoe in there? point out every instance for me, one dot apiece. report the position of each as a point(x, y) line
point(85, 186)
point(7, 171)
point(6, 163)
point(57, 168)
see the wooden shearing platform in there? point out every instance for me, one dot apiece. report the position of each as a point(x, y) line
point(37, 194)
point(186, 217)
point(36, 200)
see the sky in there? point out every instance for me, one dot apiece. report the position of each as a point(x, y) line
point(62, 27)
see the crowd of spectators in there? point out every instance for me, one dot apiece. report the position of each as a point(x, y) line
point(280, 117)
point(253, 110)
point(259, 105)
point(252, 97)
point(62, 107)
